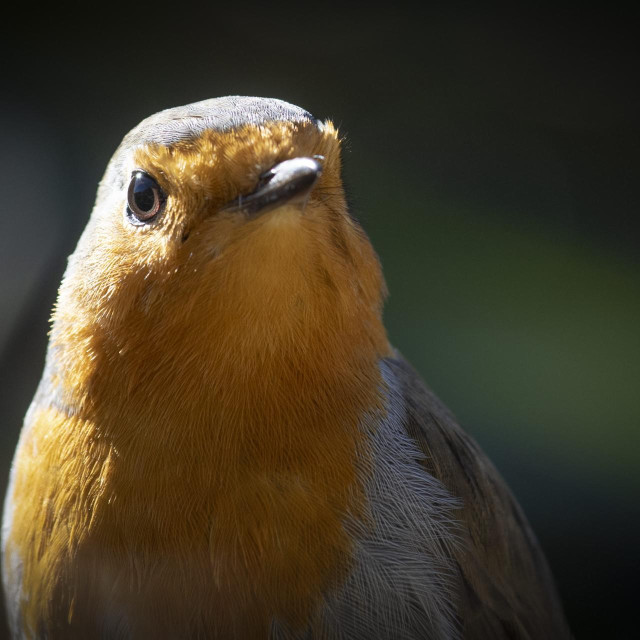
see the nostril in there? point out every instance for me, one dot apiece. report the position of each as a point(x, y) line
point(265, 178)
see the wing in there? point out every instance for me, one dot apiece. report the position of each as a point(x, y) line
point(506, 588)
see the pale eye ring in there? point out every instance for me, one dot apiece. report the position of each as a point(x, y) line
point(145, 198)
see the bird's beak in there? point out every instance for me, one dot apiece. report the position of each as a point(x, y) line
point(288, 182)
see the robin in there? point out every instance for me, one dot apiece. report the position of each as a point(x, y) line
point(224, 444)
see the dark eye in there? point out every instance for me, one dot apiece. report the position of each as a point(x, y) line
point(145, 198)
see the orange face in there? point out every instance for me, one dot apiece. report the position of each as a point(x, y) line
point(208, 374)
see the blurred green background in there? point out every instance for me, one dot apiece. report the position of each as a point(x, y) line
point(492, 159)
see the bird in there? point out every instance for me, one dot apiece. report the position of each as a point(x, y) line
point(224, 443)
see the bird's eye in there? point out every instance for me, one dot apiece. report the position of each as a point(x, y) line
point(145, 199)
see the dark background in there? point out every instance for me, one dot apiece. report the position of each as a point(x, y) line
point(493, 160)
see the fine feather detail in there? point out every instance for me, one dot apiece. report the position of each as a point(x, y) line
point(402, 585)
point(505, 589)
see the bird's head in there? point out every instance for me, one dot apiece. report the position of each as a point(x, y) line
point(220, 223)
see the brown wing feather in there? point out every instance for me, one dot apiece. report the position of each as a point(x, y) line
point(506, 587)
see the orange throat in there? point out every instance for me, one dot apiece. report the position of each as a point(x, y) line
point(210, 412)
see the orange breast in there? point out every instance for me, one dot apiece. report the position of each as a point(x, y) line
point(204, 479)
point(210, 378)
